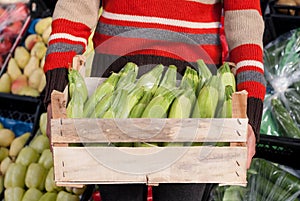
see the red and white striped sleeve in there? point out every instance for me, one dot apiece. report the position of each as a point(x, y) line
point(244, 29)
point(72, 25)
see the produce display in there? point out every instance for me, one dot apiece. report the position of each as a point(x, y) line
point(24, 74)
point(266, 181)
point(281, 115)
point(12, 18)
point(27, 168)
point(10, 146)
point(154, 94)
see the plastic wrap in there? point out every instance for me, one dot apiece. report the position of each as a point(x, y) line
point(266, 182)
point(282, 72)
point(18, 127)
point(12, 18)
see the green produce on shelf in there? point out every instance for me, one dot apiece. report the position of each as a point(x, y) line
point(14, 193)
point(36, 176)
point(282, 72)
point(49, 196)
point(40, 143)
point(63, 196)
point(266, 181)
point(277, 175)
point(6, 137)
point(17, 144)
point(268, 124)
point(50, 185)
point(284, 120)
point(5, 164)
point(27, 156)
point(3, 153)
point(15, 176)
point(292, 98)
point(43, 123)
point(1, 183)
point(27, 169)
point(32, 194)
point(46, 159)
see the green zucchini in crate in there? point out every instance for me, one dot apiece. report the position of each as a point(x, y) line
point(156, 94)
point(104, 90)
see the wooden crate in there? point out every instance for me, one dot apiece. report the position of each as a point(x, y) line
point(83, 148)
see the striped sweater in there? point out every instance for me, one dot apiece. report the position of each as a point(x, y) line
point(160, 31)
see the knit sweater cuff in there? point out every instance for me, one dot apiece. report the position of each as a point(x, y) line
point(254, 113)
point(57, 79)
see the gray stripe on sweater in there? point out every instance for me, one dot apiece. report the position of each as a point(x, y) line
point(251, 76)
point(64, 47)
point(155, 34)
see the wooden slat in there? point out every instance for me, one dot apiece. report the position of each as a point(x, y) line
point(58, 104)
point(239, 104)
point(148, 130)
point(239, 110)
point(156, 165)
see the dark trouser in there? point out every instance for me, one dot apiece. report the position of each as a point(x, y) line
point(123, 192)
point(163, 192)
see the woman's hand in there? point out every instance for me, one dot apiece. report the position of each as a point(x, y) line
point(251, 145)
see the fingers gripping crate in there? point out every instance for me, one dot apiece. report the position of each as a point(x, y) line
point(80, 157)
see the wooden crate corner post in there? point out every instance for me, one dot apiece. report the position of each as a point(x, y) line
point(59, 102)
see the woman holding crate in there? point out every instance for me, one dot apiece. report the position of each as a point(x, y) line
point(166, 32)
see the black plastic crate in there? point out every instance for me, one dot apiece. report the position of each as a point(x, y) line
point(280, 19)
point(286, 10)
point(264, 5)
point(20, 113)
point(282, 150)
point(41, 9)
